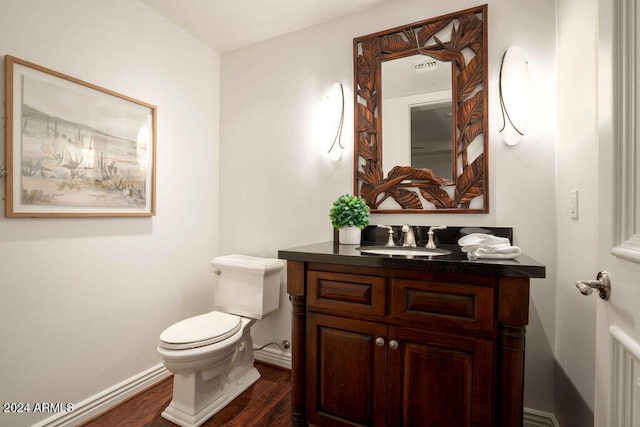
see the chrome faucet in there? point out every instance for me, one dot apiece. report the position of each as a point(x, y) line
point(409, 237)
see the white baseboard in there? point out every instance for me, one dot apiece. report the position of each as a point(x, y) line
point(535, 418)
point(112, 396)
point(274, 356)
point(106, 399)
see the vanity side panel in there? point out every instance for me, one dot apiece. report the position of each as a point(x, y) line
point(296, 288)
point(513, 317)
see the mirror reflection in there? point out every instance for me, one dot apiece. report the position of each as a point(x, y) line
point(417, 122)
point(431, 138)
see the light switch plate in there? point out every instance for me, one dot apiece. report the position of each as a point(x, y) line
point(573, 204)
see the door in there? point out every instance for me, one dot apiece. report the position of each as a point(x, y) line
point(617, 376)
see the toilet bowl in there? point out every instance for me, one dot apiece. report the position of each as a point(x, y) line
point(211, 355)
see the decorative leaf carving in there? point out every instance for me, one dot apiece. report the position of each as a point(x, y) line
point(473, 130)
point(407, 172)
point(369, 196)
point(406, 185)
point(467, 33)
point(367, 62)
point(470, 78)
point(366, 121)
point(371, 173)
point(439, 197)
point(405, 198)
point(470, 182)
point(394, 43)
point(470, 113)
point(447, 55)
point(429, 30)
point(366, 149)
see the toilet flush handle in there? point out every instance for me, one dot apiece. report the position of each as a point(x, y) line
point(217, 271)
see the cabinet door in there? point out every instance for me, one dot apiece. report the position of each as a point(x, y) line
point(346, 371)
point(439, 380)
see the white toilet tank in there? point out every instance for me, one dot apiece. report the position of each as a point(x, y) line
point(247, 286)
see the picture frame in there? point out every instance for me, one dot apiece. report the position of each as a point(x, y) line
point(74, 149)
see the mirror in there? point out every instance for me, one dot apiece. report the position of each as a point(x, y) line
point(417, 123)
point(428, 152)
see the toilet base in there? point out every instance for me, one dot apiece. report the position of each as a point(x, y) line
point(236, 382)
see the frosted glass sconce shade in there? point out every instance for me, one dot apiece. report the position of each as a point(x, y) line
point(515, 95)
point(334, 120)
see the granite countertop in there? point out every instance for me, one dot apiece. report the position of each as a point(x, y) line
point(334, 253)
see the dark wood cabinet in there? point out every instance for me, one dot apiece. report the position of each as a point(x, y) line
point(389, 347)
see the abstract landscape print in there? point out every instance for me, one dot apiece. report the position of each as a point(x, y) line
point(76, 149)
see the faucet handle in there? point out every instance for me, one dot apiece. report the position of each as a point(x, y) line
point(431, 244)
point(390, 242)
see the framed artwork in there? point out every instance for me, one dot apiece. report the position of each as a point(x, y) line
point(74, 149)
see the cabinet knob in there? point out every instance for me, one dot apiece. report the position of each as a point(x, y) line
point(393, 344)
point(379, 341)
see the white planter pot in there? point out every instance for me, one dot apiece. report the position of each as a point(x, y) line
point(349, 235)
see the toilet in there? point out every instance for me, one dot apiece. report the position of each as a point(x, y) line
point(211, 355)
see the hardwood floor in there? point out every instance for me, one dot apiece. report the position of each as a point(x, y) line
point(267, 403)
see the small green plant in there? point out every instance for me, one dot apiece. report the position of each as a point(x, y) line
point(349, 211)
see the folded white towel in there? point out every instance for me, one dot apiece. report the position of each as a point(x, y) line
point(482, 239)
point(485, 246)
point(469, 248)
point(483, 255)
point(502, 249)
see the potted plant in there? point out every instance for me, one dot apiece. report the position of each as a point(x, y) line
point(349, 214)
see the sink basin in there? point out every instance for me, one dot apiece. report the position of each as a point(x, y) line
point(403, 251)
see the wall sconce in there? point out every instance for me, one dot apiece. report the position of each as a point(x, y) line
point(515, 95)
point(334, 120)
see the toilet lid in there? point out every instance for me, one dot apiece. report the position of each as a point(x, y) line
point(200, 330)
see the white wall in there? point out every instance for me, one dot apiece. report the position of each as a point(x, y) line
point(82, 301)
point(577, 238)
point(278, 186)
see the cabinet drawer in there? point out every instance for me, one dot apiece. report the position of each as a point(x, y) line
point(346, 292)
point(447, 305)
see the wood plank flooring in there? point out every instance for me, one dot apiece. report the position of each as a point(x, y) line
point(267, 403)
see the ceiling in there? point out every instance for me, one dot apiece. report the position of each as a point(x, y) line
point(226, 25)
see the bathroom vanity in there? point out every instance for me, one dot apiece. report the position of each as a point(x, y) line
point(383, 340)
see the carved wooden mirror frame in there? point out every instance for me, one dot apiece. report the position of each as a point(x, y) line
point(420, 190)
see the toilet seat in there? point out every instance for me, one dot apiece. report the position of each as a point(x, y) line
point(199, 331)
